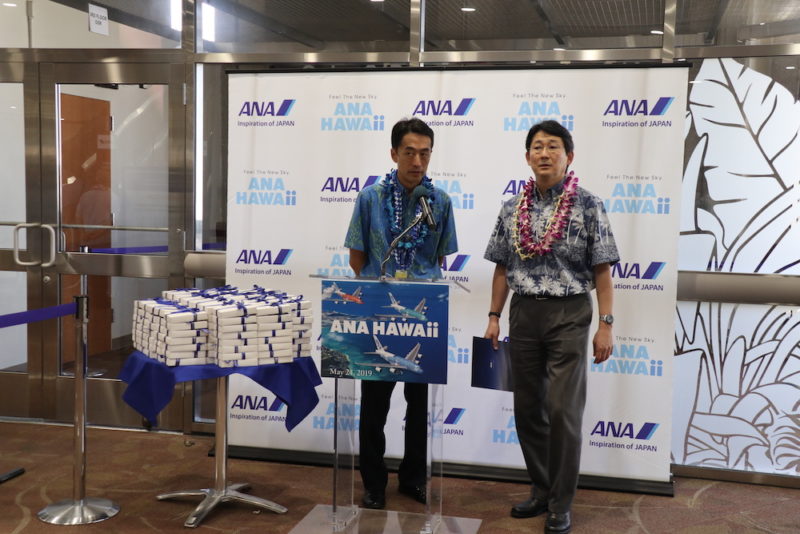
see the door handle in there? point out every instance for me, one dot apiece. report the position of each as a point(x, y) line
point(17, 228)
point(52, 259)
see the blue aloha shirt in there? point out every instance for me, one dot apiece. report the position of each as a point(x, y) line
point(569, 268)
point(370, 231)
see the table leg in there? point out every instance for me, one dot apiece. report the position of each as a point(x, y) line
point(222, 492)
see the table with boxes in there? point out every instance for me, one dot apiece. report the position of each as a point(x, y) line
point(192, 334)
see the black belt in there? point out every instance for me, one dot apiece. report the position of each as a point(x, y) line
point(551, 297)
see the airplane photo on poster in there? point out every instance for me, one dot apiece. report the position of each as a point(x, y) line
point(337, 295)
point(385, 335)
point(393, 362)
point(418, 312)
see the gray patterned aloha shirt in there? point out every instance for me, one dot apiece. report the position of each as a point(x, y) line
point(568, 268)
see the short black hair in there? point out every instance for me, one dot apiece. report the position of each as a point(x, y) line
point(407, 126)
point(552, 128)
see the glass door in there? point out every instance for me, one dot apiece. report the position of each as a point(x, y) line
point(20, 245)
point(115, 192)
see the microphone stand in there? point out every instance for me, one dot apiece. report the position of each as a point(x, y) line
point(395, 241)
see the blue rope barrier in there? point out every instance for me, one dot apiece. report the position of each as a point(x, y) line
point(31, 316)
point(130, 250)
point(150, 249)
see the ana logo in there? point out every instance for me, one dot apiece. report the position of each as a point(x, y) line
point(451, 420)
point(454, 416)
point(339, 266)
point(507, 435)
point(353, 116)
point(630, 359)
point(252, 402)
point(461, 200)
point(636, 198)
point(250, 256)
point(338, 184)
point(456, 264)
point(456, 354)
point(443, 107)
point(514, 186)
point(348, 417)
point(263, 108)
point(639, 107)
point(623, 430)
point(265, 191)
point(534, 112)
point(634, 270)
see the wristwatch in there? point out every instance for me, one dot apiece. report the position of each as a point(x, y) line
point(608, 319)
point(496, 314)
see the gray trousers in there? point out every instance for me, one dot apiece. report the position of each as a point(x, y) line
point(548, 361)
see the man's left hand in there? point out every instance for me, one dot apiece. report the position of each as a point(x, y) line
point(602, 343)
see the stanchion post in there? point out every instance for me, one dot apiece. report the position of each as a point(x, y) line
point(79, 418)
point(80, 510)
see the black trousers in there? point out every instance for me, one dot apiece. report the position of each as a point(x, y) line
point(549, 340)
point(375, 400)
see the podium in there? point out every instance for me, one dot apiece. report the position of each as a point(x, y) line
point(388, 330)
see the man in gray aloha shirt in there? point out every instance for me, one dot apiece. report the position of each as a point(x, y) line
point(552, 244)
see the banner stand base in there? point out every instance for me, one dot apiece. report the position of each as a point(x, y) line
point(318, 521)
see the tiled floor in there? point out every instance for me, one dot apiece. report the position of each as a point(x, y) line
point(131, 468)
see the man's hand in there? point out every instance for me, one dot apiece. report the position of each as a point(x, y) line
point(602, 343)
point(493, 331)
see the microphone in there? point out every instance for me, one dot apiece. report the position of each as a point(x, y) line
point(420, 193)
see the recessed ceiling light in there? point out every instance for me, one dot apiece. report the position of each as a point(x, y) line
point(376, 0)
point(790, 67)
point(9, 4)
point(558, 49)
point(468, 9)
point(657, 32)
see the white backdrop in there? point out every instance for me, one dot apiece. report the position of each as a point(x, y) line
point(301, 146)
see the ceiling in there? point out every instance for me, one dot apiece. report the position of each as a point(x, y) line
point(364, 25)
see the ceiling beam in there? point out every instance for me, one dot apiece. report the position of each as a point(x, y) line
point(268, 23)
point(537, 5)
point(768, 29)
point(713, 28)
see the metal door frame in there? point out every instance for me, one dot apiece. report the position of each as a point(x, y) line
point(56, 390)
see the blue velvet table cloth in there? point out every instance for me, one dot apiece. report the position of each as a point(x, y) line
point(151, 383)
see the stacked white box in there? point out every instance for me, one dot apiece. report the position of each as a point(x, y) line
point(225, 326)
point(169, 332)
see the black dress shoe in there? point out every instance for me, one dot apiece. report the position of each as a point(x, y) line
point(374, 500)
point(557, 523)
point(417, 493)
point(529, 508)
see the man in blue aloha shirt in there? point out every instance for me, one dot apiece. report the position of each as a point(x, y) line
point(552, 244)
point(382, 211)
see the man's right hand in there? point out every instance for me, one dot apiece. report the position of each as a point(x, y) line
point(493, 331)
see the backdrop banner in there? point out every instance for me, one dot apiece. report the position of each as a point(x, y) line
point(302, 145)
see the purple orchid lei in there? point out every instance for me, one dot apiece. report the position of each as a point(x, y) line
point(407, 248)
point(522, 234)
